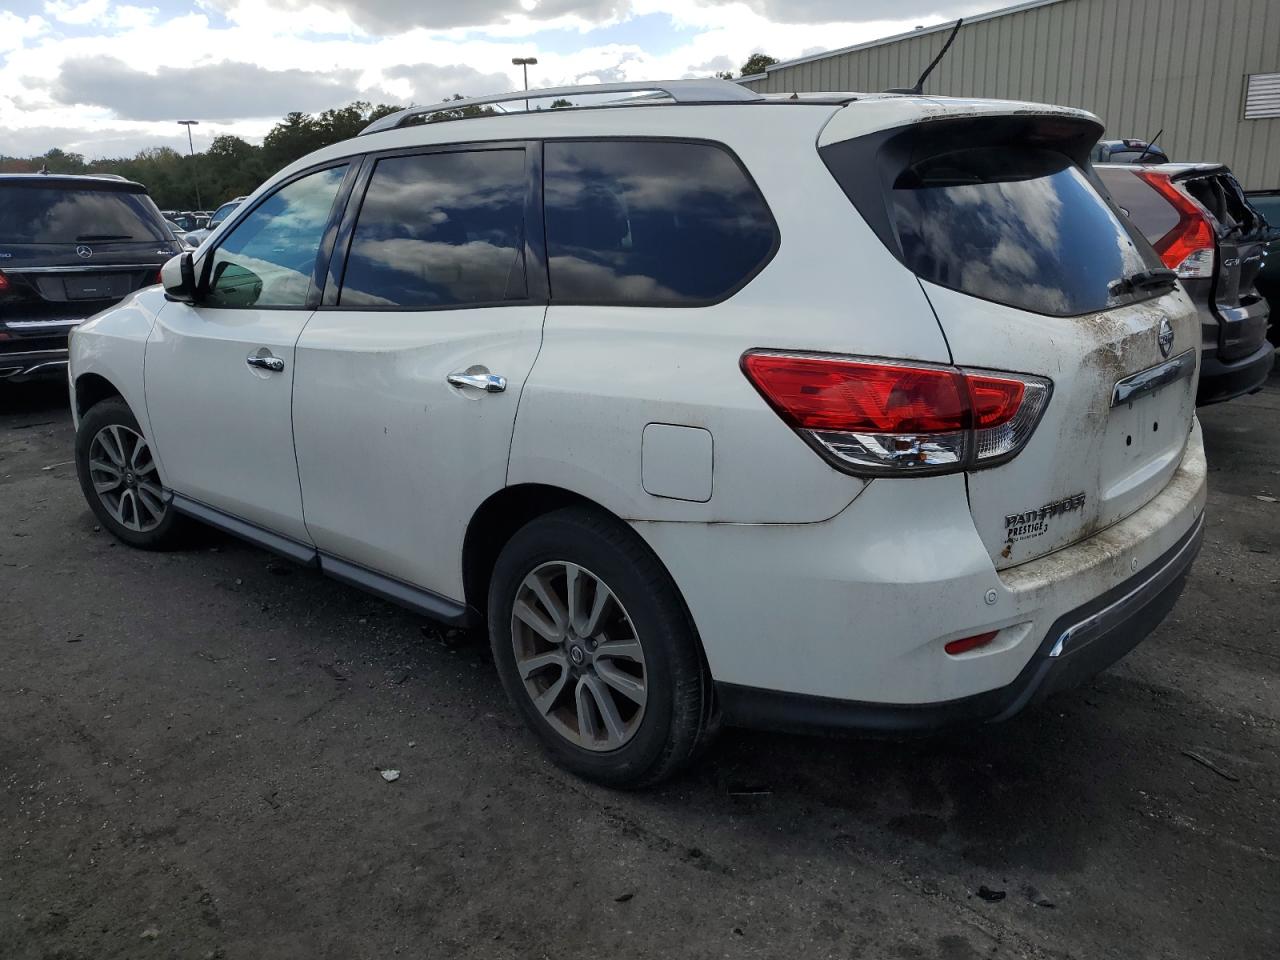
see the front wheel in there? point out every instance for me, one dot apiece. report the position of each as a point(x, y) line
point(118, 476)
point(596, 650)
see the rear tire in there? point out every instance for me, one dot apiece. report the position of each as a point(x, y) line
point(119, 479)
point(609, 674)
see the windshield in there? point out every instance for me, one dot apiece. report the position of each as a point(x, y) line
point(223, 212)
point(40, 214)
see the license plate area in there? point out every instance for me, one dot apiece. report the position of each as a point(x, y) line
point(98, 286)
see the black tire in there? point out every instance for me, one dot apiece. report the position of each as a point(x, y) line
point(679, 717)
point(115, 412)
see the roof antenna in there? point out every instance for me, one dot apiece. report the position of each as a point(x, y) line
point(919, 86)
point(1150, 143)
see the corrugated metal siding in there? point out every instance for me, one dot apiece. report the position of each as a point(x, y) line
point(1138, 64)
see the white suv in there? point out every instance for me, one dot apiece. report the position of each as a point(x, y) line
point(836, 412)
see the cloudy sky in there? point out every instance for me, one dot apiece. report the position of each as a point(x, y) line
point(106, 78)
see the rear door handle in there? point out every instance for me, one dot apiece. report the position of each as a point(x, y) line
point(274, 364)
point(488, 382)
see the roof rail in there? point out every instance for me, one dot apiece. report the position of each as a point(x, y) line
point(680, 91)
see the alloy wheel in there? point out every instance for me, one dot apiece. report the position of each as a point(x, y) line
point(124, 477)
point(579, 656)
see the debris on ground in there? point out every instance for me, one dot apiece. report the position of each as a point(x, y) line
point(1258, 496)
point(391, 776)
point(1206, 762)
point(1035, 896)
point(623, 897)
point(149, 934)
point(989, 895)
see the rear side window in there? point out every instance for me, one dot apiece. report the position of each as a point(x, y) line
point(76, 215)
point(439, 230)
point(651, 222)
point(1022, 227)
point(1145, 208)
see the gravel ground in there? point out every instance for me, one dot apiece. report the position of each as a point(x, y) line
point(190, 747)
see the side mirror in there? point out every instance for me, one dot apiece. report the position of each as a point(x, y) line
point(178, 276)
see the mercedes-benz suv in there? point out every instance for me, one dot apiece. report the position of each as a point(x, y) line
point(69, 247)
point(840, 411)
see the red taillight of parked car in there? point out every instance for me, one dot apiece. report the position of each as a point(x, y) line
point(879, 418)
point(1187, 249)
point(4, 282)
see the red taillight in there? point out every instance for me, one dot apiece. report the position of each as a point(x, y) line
point(878, 418)
point(966, 644)
point(1187, 249)
point(817, 394)
point(159, 276)
point(4, 282)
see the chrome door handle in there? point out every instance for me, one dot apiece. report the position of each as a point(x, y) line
point(488, 382)
point(274, 364)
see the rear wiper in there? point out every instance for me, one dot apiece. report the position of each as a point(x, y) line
point(1144, 280)
point(103, 236)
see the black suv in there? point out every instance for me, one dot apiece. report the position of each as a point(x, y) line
point(1127, 151)
point(69, 247)
point(1197, 218)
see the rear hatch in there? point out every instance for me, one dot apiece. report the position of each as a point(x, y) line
point(1241, 239)
point(70, 247)
point(1029, 270)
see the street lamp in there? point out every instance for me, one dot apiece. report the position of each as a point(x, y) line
point(195, 174)
point(525, 62)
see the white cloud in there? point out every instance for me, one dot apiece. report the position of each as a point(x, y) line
point(99, 76)
point(67, 11)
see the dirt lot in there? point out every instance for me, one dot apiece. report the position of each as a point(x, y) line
point(190, 748)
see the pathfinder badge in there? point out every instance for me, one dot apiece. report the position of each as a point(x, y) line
point(1020, 526)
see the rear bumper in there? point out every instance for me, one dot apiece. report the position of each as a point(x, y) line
point(1080, 644)
point(1226, 379)
point(33, 365)
point(844, 623)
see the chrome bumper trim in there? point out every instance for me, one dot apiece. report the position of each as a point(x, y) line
point(1080, 634)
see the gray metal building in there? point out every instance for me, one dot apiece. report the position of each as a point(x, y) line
point(1207, 71)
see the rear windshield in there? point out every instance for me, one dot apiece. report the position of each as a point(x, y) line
point(1022, 227)
point(76, 215)
point(1139, 201)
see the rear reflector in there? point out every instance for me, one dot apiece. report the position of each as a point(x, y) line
point(878, 418)
point(970, 643)
point(1187, 249)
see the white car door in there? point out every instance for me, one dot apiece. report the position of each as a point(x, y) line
point(219, 373)
point(409, 375)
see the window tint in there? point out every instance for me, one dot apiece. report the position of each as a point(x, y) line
point(74, 215)
point(651, 222)
point(1021, 227)
point(438, 230)
point(268, 259)
point(1146, 209)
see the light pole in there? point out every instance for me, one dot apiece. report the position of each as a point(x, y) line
point(195, 174)
point(525, 62)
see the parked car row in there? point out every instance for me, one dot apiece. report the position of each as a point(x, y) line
point(914, 444)
point(1205, 230)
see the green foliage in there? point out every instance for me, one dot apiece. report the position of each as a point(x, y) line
point(756, 63)
point(230, 167)
point(724, 74)
point(562, 102)
point(461, 113)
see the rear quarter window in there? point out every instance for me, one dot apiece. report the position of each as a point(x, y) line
point(651, 222)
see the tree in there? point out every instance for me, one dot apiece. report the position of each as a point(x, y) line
point(724, 74)
point(561, 102)
point(461, 113)
point(230, 166)
point(757, 63)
